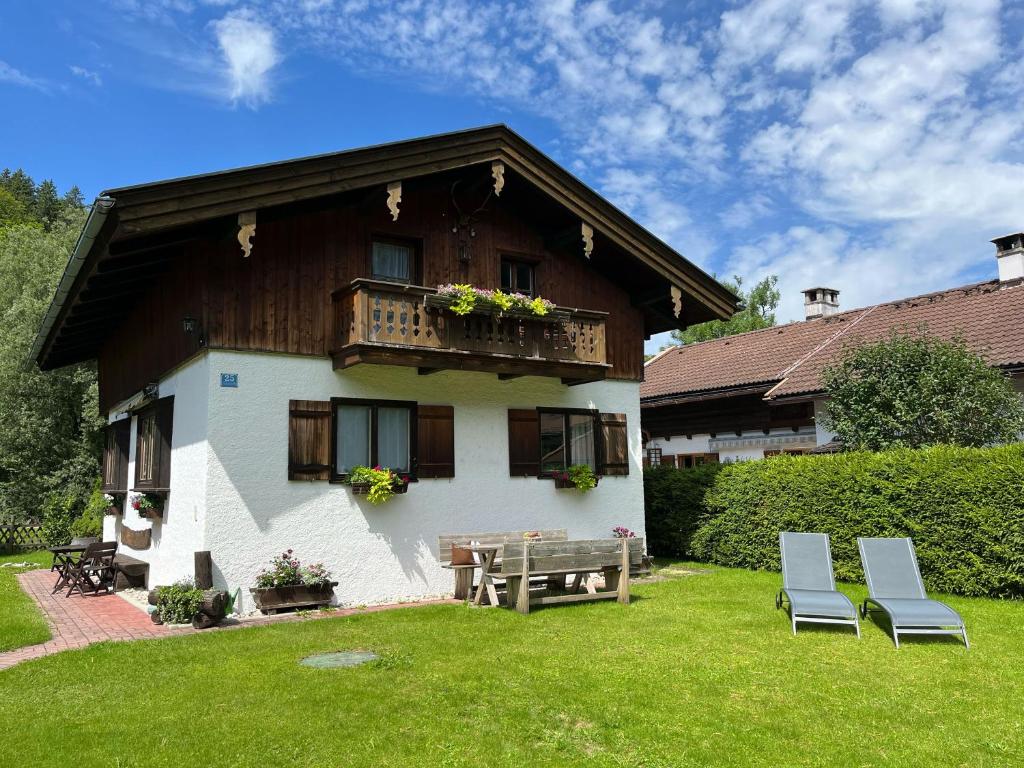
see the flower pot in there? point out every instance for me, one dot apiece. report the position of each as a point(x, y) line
point(273, 599)
point(151, 513)
point(567, 483)
point(361, 489)
point(112, 510)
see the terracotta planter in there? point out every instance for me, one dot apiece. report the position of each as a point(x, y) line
point(273, 599)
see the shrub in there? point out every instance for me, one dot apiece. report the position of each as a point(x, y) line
point(963, 507)
point(90, 522)
point(59, 513)
point(674, 502)
point(179, 602)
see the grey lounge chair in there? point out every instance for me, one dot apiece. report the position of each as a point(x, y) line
point(895, 587)
point(808, 584)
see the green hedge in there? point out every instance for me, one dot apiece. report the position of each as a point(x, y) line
point(674, 501)
point(964, 508)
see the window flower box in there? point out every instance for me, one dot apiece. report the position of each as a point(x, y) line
point(579, 477)
point(378, 484)
point(361, 489)
point(149, 504)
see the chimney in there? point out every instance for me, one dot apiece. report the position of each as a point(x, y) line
point(820, 302)
point(1010, 256)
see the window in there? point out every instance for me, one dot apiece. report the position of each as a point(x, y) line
point(115, 456)
point(372, 433)
point(653, 457)
point(517, 277)
point(153, 446)
point(567, 438)
point(686, 460)
point(393, 260)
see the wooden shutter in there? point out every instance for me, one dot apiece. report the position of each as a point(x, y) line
point(523, 443)
point(115, 456)
point(309, 440)
point(614, 445)
point(164, 427)
point(435, 438)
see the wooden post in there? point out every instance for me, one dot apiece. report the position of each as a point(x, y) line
point(463, 583)
point(523, 598)
point(624, 574)
point(204, 570)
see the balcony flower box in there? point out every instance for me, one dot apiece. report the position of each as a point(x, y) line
point(579, 477)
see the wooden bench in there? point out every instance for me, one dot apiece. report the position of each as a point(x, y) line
point(130, 572)
point(464, 573)
point(615, 558)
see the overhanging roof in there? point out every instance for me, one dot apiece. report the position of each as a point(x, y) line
point(148, 213)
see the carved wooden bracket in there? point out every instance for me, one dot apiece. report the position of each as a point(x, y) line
point(588, 238)
point(677, 301)
point(394, 198)
point(246, 231)
point(498, 173)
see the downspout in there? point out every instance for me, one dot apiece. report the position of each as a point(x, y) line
point(98, 213)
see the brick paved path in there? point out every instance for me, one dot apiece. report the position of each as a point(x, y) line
point(78, 621)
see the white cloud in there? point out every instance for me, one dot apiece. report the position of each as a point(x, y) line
point(86, 74)
point(9, 74)
point(250, 52)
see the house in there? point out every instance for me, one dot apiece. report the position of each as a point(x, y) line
point(760, 393)
point(260, 332)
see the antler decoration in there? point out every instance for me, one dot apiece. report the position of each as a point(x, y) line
point(498, 173)
point(246, 231)
point(394, 198)
point(588, 238)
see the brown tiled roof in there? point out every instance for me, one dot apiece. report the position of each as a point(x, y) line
point(788, 360)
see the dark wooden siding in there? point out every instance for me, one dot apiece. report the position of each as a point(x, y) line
point(279, 298)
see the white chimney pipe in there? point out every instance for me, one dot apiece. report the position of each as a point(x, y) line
point(1010, 257)
point(820, 302)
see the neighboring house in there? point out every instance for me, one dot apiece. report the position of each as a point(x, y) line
point(760, 393)
point(258, 332)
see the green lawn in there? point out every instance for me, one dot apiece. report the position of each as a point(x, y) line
point(21, 623)
point(698, 671)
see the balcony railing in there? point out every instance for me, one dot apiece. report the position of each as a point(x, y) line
point(394, 324)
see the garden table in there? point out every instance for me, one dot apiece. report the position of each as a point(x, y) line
point(64, 560)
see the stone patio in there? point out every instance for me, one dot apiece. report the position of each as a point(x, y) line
point(78, 621)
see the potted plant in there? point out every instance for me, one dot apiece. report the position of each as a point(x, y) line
point(112, 508)
point(287, 583)
point(148, 505)
point(378, 484)
point(622, 532)
point(578, 476)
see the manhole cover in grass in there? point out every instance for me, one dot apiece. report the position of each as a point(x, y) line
point(339, 659)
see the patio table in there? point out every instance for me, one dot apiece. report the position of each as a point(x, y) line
point(64, 558)
point(487, 553)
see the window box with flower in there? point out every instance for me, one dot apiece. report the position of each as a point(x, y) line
point(578, 476)
point(149, 505)
point(113, 504)
point(464, 299)
point(287, 583)
point(378, 484)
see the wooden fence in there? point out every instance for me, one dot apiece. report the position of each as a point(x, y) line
point(19, 538)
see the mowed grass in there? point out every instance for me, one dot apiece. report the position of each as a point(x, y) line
point(699, 671)
point(21, 623)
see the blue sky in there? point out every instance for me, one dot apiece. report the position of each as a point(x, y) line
point(874, 146)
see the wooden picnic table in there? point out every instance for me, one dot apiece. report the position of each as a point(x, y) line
point(487, 553)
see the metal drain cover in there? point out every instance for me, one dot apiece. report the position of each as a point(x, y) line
point(339, 659)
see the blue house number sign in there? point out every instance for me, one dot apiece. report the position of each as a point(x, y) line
point(229, 380)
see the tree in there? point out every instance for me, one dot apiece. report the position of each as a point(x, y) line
point(916, 390)
point(49, 422)
point(758, 311)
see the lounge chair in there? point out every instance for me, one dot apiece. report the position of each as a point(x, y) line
point(895, 587)
point(808, 584)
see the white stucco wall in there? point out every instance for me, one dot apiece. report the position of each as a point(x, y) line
point(179, 535)
point(387, 553)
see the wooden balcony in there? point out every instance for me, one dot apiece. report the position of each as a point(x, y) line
point(395, 324)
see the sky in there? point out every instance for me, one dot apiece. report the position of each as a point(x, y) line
point(872, 146)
